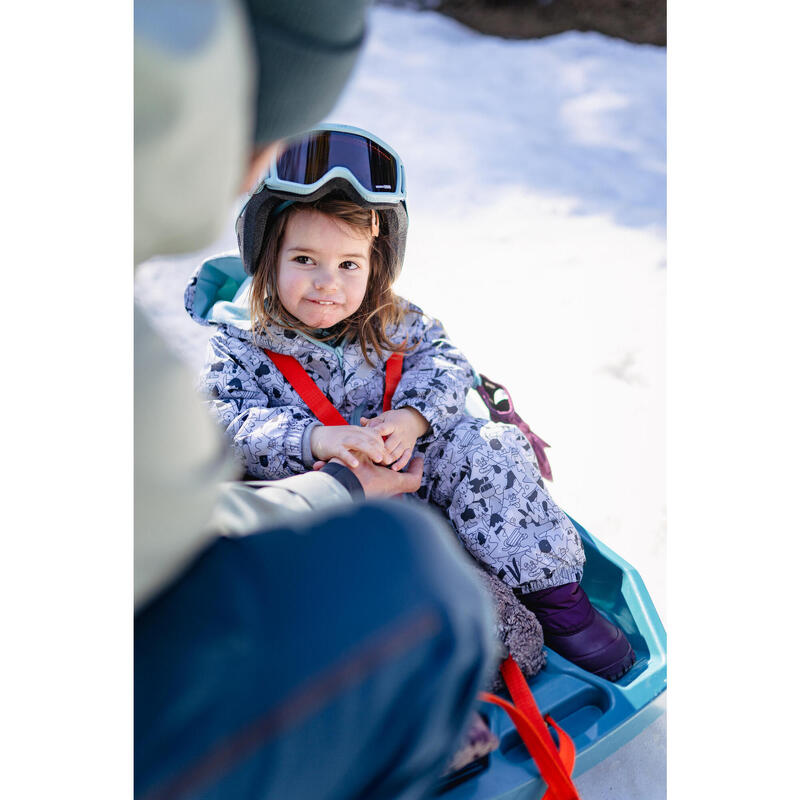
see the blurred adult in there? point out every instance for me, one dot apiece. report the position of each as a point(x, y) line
point(248, 683)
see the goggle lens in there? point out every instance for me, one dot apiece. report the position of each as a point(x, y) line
point(306, 161)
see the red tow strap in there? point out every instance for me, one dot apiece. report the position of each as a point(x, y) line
point(555, 764)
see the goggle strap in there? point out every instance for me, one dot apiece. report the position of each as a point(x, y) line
point(282, 207)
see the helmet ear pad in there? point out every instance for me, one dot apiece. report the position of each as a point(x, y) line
point(252, 223)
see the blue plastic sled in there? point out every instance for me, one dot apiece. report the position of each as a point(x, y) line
point(600, 716)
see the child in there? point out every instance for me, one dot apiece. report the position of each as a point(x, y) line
point(323, 238)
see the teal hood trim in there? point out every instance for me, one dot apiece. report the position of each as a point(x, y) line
point(219, 293)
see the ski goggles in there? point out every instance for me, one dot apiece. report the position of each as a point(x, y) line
point(317, 157)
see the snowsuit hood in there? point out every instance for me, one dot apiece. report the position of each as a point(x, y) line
point(217, 293)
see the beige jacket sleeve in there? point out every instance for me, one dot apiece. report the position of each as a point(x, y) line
point(180, 458)
point(248, 508)
point(184, 496)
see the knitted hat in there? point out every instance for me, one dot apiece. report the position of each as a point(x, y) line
point(305, 53)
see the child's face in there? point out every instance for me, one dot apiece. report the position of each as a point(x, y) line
point(323, 268)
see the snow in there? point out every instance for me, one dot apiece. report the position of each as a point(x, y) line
point(537, 191)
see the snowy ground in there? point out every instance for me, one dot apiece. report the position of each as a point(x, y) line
point(537, 191)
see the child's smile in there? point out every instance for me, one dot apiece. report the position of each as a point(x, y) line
point(323, 268)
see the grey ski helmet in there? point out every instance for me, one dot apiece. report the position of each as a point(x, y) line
point(328, 159)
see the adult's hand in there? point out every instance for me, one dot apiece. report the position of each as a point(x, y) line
point(380, 481)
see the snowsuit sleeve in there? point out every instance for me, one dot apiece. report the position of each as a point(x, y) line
point(268, 435)
point(436, 375)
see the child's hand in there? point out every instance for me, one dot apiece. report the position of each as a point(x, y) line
point(400, 428)
point(341, 441)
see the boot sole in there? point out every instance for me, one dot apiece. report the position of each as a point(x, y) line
point(619, 668)
point(611, 672)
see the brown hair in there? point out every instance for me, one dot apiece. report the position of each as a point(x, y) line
point(379, 310)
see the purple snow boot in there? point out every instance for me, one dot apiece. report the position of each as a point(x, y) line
point(575, 630)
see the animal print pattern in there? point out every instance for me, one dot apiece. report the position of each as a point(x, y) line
point(485, 477)
point(482, 474)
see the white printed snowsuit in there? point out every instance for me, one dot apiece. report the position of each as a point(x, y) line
point(482, 474)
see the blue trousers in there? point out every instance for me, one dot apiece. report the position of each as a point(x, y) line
point(337, 659)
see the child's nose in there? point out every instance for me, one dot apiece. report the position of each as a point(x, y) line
point(325, 280)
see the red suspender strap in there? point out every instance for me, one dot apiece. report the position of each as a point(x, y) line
point(555, 764)
point(394, 369)
point(312, 396)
